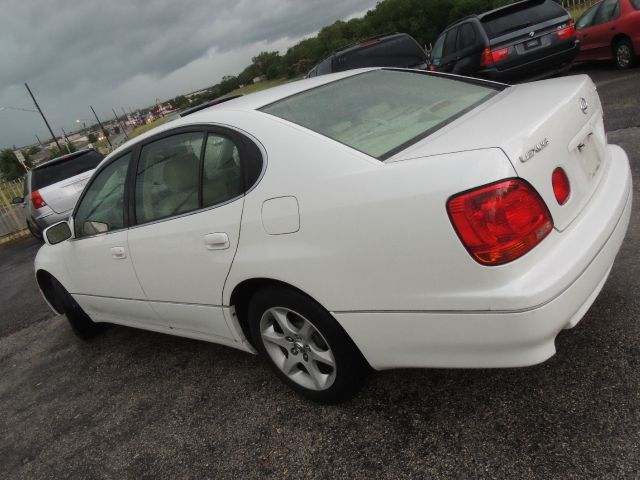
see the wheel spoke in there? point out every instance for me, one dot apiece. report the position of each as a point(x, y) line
point(322, 356)
point(271, 336)
point(280, 317)
point(319, 379)
point(306, 331)
point(290, 365)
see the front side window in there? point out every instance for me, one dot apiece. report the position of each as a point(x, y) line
point(101, 208)
point(167, 177)
point(222, 174)
point(436, 53)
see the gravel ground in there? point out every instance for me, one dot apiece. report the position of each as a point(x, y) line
point(133, 404)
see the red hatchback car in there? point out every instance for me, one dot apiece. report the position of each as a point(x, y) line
point(610, 30)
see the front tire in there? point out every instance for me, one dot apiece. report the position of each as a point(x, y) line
point(623, 54)
point(305, 346)
point(81, 324)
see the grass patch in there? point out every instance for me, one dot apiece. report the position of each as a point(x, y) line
point(146, 127)
point(256, 87)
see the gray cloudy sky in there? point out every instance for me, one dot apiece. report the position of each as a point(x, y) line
point(126, 53)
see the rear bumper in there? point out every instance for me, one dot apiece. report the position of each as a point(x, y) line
point(51, 218)
point(536, 69)
point(502, 338)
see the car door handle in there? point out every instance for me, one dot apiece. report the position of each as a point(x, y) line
point(216, 241)
point(613, 29)
point(118, 253)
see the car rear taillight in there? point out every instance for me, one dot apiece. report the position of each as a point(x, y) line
point(492, 56)
point(500, 222)
point(567, 32)
point(432, 67)
point(37, 200)
point(561, 186)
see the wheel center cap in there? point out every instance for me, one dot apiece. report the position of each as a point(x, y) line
point(299, 345)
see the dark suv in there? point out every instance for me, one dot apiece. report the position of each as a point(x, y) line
point(524, 40)
point(394, 50)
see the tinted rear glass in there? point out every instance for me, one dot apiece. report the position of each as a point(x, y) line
point(383, 111)
point(401, 51)
point(636, 4)
point(520, 16)
point(49, 174)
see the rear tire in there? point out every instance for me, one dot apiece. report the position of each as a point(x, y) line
point(305, 346)
point(623, 54)
point(80, 322)
point(35, 231)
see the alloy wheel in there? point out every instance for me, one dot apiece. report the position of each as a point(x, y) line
point(623, 55)
point(298, 348)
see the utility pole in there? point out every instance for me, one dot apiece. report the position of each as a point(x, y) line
point(43, 117)
point(101, 127)
point(66, 139)
point(119, 123)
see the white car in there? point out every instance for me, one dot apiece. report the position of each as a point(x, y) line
point(376, 218)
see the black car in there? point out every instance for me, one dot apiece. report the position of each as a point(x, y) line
point(390, 50)
point(524, 40)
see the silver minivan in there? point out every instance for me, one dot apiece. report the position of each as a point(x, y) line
point(51, 189)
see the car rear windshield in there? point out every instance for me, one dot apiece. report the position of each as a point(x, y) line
point(397, 51)
point(57, 171)
point(520, 15)
point(383, 111)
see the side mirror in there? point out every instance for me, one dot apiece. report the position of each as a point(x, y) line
point(57, 233)
point(17, 200)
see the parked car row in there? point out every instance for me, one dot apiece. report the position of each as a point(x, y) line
point(52, 188)
point(521, 41)
point(610, 30)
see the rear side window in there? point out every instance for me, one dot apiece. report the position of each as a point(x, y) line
point(466, 36)
point(383, 111)
point(450, 42)
point(520, 15)
point(49, 174)
point(636, 4)
point(608, 11)
point(221, 172)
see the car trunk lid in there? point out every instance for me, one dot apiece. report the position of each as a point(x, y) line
point(540, 126)
point(62, 196)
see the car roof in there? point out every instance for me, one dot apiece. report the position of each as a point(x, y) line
point(247, 103)
point(489, 13)
point(367, 42)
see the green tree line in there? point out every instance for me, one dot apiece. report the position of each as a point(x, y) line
point(422, 19)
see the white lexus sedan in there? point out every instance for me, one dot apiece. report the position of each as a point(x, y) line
point(376, 218)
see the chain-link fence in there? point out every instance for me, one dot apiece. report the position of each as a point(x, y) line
point(13, 224)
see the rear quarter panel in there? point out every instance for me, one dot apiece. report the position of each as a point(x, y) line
point(372, 236)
